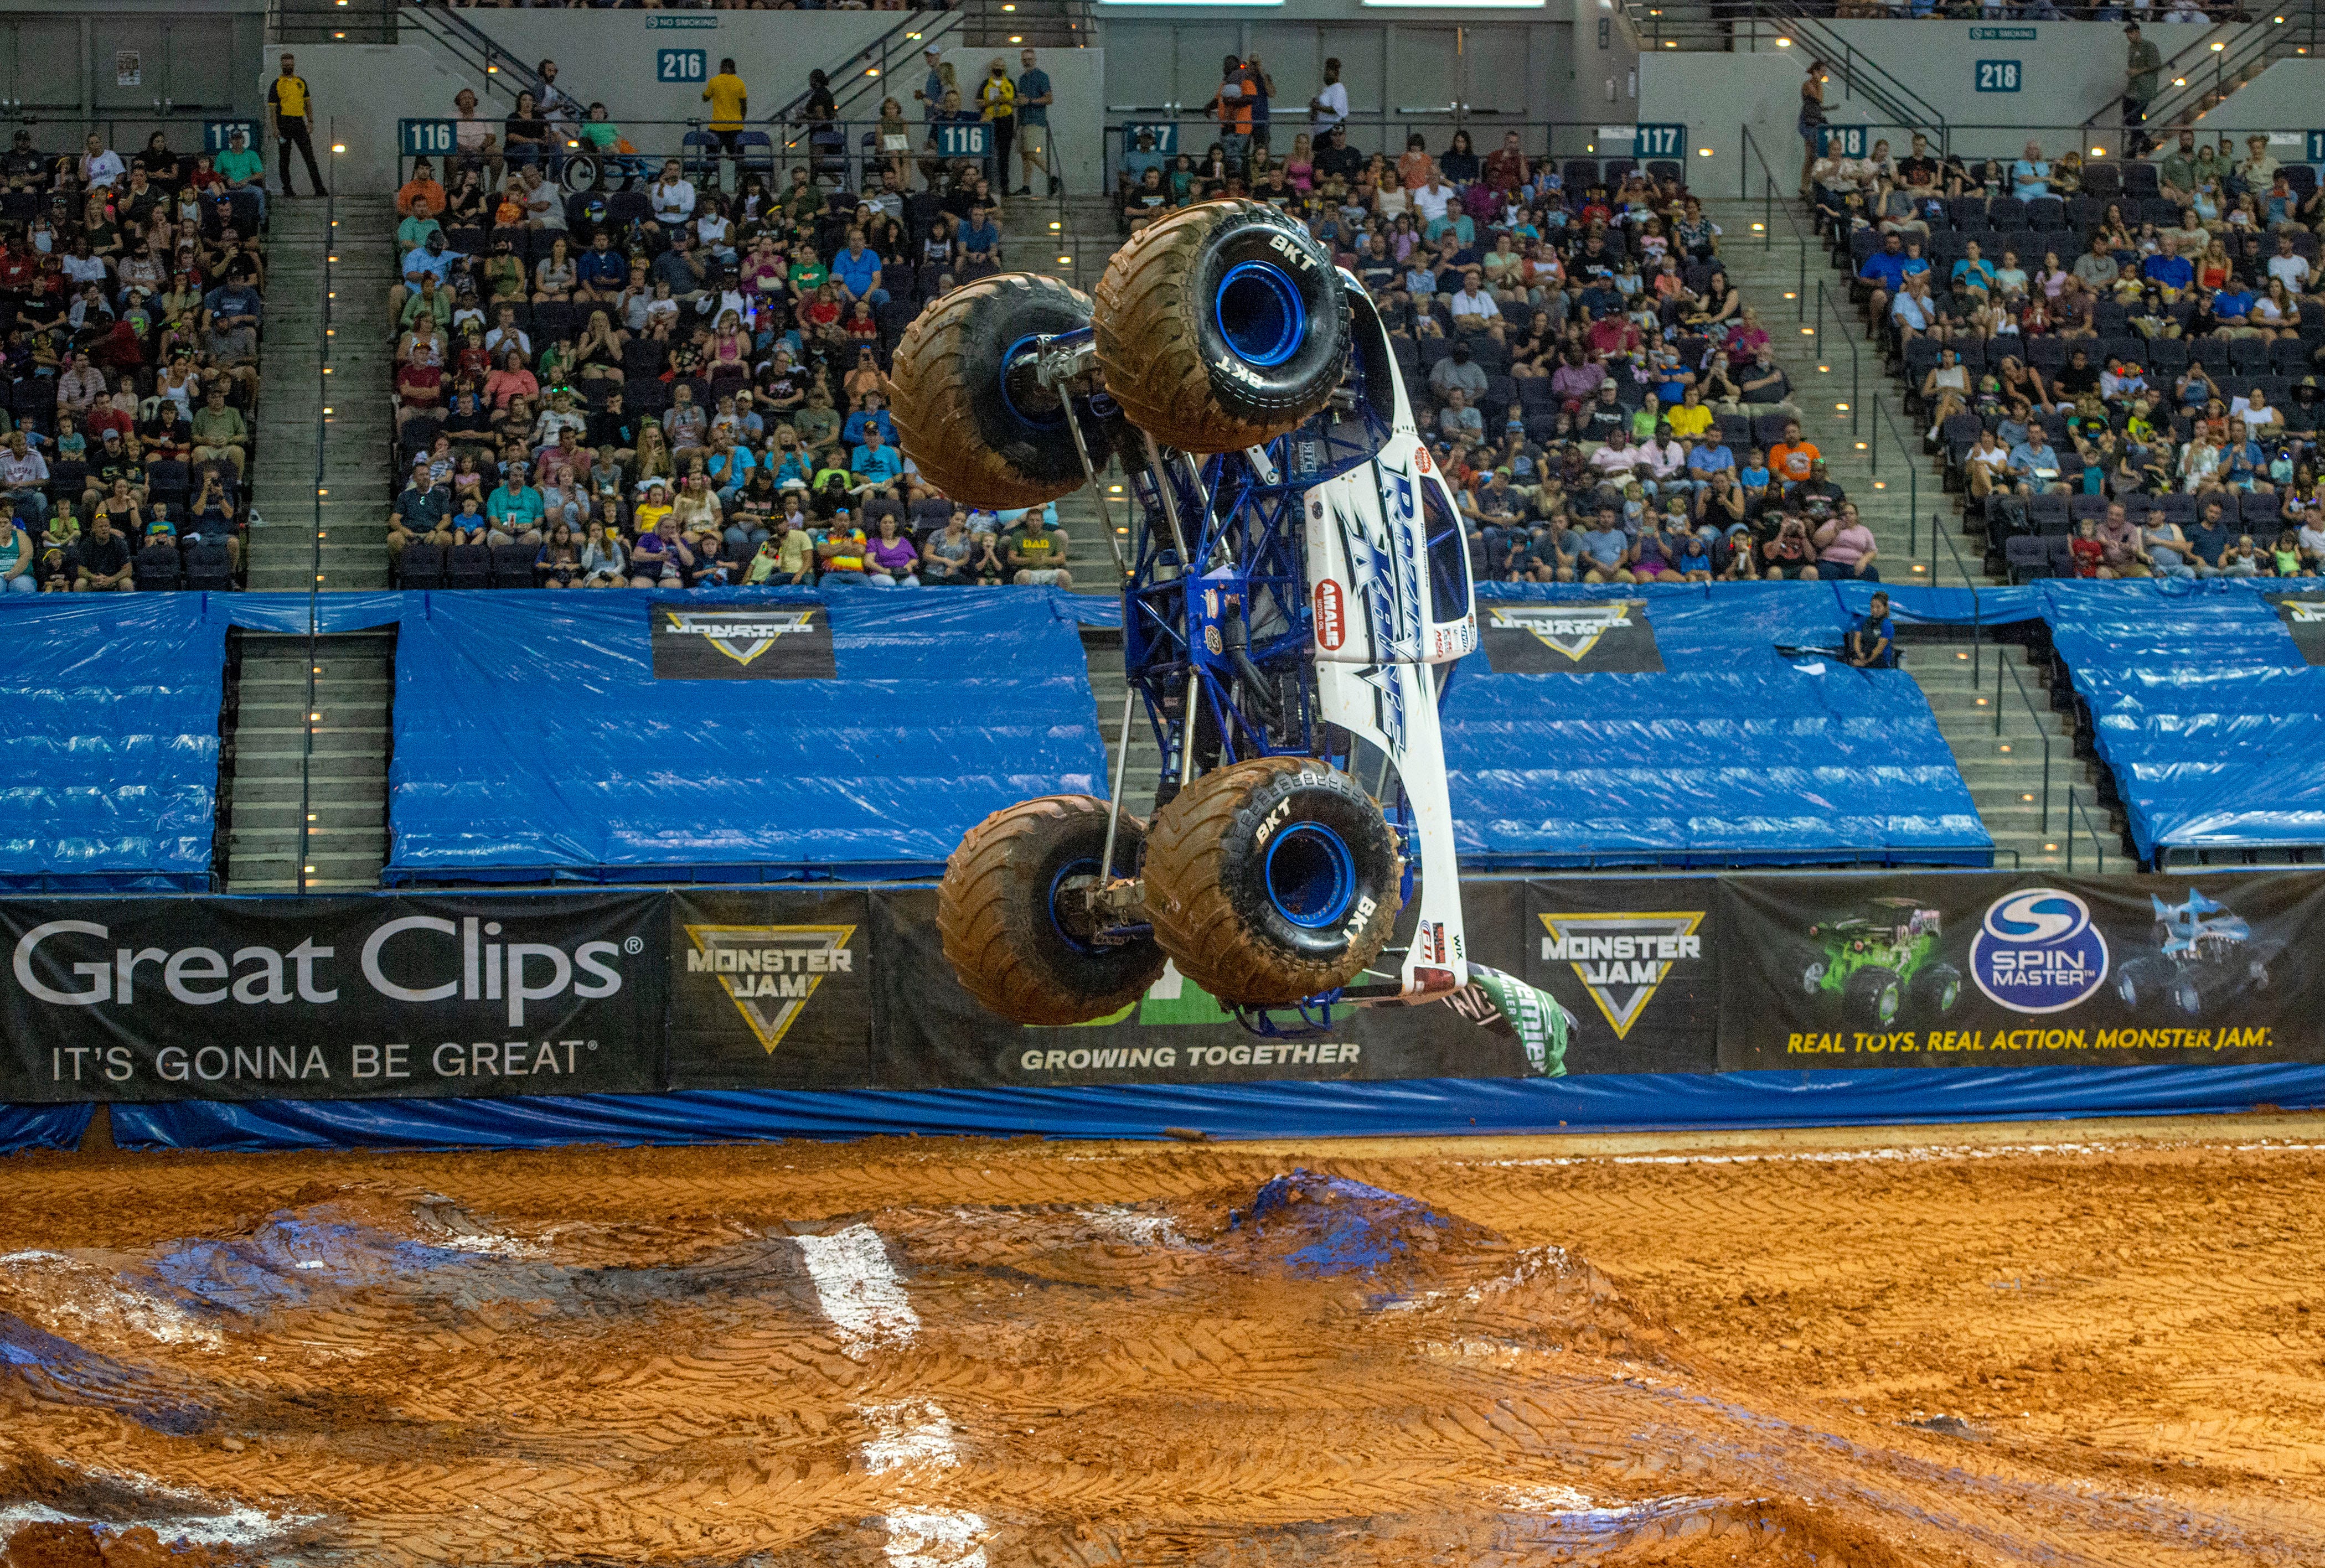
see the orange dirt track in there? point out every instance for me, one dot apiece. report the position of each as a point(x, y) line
point(2078, 1344)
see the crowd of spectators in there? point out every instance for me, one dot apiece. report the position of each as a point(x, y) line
point(1604, 405)
point(683, 384)
point(2118, 360)
point(132, 286)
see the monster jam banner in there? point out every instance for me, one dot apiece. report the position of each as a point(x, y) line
point(771, 642)
point(2304, 618)
point(1637, 963)
point(1964, 969)
point(248, 999)
point(772, 990)
point(1570, 637)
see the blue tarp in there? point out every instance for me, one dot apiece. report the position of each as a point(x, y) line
point(2211, 720)
point(1428, 1107)
point(532, 739)
point(1736, 755)
point(30, 1126)
point(109, 748)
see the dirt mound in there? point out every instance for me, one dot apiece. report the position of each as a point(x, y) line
point(1311, 1226)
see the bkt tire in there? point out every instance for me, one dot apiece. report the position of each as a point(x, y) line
point(1272, 879)
point(983, 436)
point(1015, 938)
point(1221, 326)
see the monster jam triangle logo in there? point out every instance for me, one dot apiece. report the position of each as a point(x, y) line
point(734, 644)
point(1588, 636)
point(1623, 957)
point(770, 972)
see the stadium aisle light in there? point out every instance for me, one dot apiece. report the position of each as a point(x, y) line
point(2218, 46)
point(1878, 484)
point(1783, 44)
point(1703, 151)
point(2030, 798)
point(1840, 407)
point(1757, 228)
point(1671, 43)
point(1860, 446)
point(871, 70)
point(1065, 260)
point(1015, 37)
point(2048, 848)
point(2003, 748)
point(338, 35)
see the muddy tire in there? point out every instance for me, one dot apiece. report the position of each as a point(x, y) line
point(1272, 879)
point(982, 437)
point(1015, 942)
point(1221, 326)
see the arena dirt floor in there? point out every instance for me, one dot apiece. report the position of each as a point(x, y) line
point(2071, 1343)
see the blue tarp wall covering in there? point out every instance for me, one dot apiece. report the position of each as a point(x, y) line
point(1735, 755)
point(109, 754)
point(1421, 1107)
point(2212, 721)
point(532, 739)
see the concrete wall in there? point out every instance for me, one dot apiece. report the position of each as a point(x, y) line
point(2287, 98)
point(1077, 82)
point(361, 89)
point(2067, 72)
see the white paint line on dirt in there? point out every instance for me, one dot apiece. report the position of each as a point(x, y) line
point(913, 1432)
point(935, 1538)
point(857, 1288)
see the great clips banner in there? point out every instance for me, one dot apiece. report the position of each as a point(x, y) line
point(805, 988)
point(332, 999)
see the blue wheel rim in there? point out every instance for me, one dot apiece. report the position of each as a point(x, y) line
point(1052, 415)
point(1260, 313)
point(1078, 868)
point(1310, 875)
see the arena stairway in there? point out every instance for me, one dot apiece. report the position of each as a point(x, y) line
point(347, 779)
point(350, 512)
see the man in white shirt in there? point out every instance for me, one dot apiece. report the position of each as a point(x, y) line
point(1429, 200)
point(100, 166)
point(1473, 308)
point(23, 478)
point(2285, 264)
point(1329, 107)
point(672, 197)
point(544, 203)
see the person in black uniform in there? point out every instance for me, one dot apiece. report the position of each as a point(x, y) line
point(294, 120)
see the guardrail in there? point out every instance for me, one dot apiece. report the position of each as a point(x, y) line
point(323, 405)
point(1977, 601)
point(1179, 130)
point(1781, 25)
point(856, 76)
point(2042, 731)
point(1771, 203)
point(2198, 77)
point(2099, 845)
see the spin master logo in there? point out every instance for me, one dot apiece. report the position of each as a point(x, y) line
point(2037, 952)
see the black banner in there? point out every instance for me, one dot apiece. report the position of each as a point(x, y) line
point(1942, 970)
point(1635, 962)
point(1598, 637)
point(772, 990)
point(159, 998)
point(328, 999)
point(2304, 617)
point(776, 642)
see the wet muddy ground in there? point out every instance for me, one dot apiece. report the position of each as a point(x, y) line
point(1869, 1349)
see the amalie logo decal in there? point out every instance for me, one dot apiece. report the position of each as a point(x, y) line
point(1331, 619)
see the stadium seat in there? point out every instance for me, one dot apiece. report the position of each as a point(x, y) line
point(2140, 181)
point(512, 566)
point(420, 567)
point(2027, 558)
point(157, 569)
point(468, 565)
point(209, 567)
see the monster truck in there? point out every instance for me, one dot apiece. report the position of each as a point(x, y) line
point(2200, 952)
point(1295, 591)
point(1880, 962)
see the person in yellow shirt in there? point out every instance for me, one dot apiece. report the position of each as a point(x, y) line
point(730, 102)
point(996, 97)
point(294, 120)
point(1690, 419)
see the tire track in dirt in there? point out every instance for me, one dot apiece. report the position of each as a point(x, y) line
point(626, 1354)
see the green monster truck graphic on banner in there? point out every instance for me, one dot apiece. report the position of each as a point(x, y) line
point(1880, 962)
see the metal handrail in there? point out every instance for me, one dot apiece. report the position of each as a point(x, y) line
point(1856, 369)
point(1861, 76)
point(867, 68)
point(1884, 423)
point(2257, 43)
point(1976, 605)
point(476, 48)
point(1770, 205)
point(2099, 845)
point(2002, 662)
point(323, 404)
point(2195, 53)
